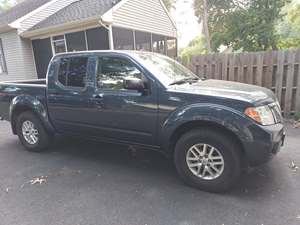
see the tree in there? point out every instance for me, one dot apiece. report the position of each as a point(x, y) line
point(196, 47)
point(247, 25)
point(209, 13)
point(5, 5)
point(169, 3)
point(288, 29)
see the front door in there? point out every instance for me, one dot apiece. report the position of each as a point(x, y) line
point(126, 115)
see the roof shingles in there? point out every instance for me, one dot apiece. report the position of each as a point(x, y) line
point(82, 9)
point(20, 10)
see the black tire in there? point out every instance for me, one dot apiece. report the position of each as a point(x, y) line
point(227, 147)
point(44, 138)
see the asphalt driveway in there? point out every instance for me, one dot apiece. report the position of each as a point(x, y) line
point(86, 183)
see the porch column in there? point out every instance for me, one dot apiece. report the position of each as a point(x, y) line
point(111, 38)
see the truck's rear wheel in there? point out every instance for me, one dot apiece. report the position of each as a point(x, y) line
point(32, 133)
point(208, 159)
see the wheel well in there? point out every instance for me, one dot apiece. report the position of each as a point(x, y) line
point(16, 112)
point(202, 124)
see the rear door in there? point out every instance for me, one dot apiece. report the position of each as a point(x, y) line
point(69, 91)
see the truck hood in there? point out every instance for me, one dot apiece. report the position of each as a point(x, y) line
point(230, 90)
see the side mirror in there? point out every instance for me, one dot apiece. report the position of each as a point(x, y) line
point(132, 83)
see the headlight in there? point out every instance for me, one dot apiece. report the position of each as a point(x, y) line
point(262, 115)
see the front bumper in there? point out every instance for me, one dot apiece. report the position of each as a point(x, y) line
point(265, 144)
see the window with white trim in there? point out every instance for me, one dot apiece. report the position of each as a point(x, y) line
point(3, 68)
point(59, 44)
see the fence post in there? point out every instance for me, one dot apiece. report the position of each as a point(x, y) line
point(259, 70)
point(269, 69)
point(279, 75)
point(224, 66)
point(289, 83)
point(298, 85)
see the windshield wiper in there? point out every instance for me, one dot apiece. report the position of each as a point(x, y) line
point(185, 80)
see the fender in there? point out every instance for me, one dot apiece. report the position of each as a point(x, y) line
point(27, 102)
point(232, 120)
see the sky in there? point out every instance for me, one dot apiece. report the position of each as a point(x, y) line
point(186, 21)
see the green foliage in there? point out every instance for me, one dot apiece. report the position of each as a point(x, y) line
point(195, 47)
point(169, 3)
point(289, 29)
point(297, 116)
point(247, 25)
point(5, 5)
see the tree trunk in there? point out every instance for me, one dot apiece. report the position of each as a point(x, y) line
point(205, 25)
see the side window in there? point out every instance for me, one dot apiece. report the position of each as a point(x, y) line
point(73, 71)
point(63, 71)
point(113, 70)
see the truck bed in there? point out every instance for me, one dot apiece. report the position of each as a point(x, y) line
point(9, 90)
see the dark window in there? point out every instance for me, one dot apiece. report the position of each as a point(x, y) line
point(123, 39)
point(73, 71)
point(113, 70)
point(3, 67)
point(143, 41)
point(63, 71)
point(76, 41)
point(97, 39)
point(171, 47)
point(158, 44)
point(42, 54)
point(56, 38)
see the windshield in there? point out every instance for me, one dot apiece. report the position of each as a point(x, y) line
point(165, 69)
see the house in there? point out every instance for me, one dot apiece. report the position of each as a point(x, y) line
point(35, 30)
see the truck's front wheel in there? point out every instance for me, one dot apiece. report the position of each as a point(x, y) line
point(32, 133)
point(208, 160)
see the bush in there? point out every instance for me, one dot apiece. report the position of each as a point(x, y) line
point(297, 116)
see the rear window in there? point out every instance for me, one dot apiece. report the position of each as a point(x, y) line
point(73, 72)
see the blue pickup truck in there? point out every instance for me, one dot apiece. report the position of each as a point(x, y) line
point(212, 129)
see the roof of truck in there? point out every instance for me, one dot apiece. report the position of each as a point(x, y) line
point(123, 52)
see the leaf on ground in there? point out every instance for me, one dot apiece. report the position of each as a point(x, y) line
point(293, 166)
point(297, 124)
point(38, 180)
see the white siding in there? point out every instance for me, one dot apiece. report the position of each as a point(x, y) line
point(19, 57)
point(144, 15)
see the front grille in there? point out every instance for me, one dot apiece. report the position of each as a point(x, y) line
point(276, 110)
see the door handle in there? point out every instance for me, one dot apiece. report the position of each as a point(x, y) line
point(98, 96)
point(97, 100)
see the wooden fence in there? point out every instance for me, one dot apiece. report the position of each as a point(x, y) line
point(276, 70)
